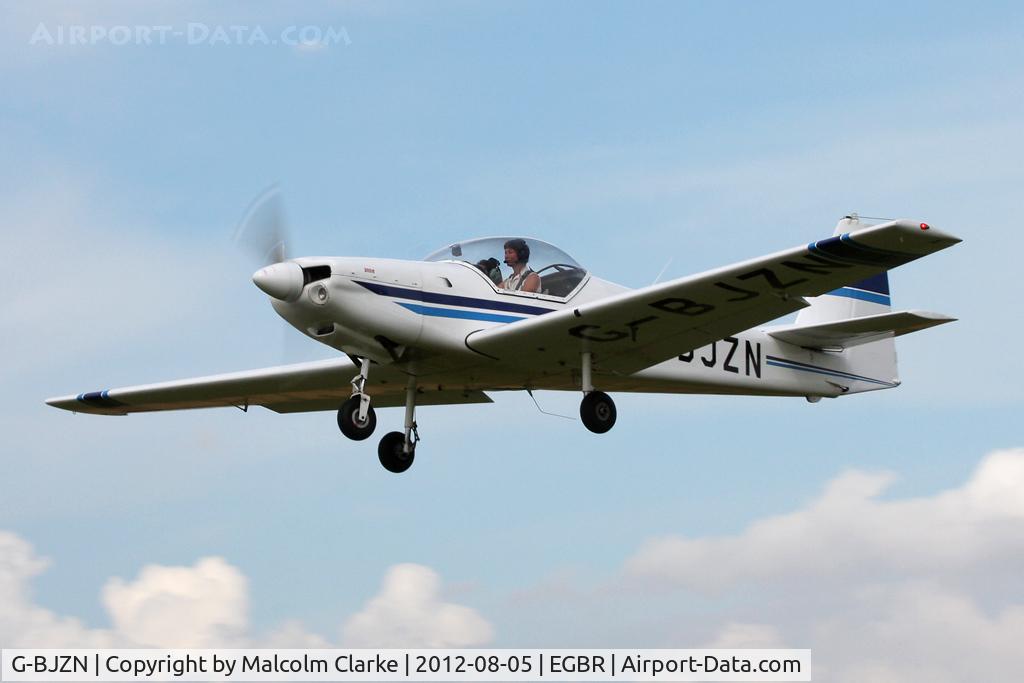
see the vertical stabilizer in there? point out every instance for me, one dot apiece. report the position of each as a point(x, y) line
point(867, 297)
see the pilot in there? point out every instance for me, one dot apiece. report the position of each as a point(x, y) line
point(490, 268)
point(523, 278)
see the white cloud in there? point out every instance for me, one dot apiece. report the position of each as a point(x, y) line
point(909, 589)
point(881, 588)
point(849, 531)
point(739, 635)
point(292, 634)
point(409, 612)
point(200, 606)
point(25, 624)
point(205, 605)
point(916, 631)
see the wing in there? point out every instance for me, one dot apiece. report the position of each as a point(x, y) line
point(304, 387)
point(630, 331)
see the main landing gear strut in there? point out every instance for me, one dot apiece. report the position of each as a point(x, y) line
point(357, 420)
point(597, 410)
point(396, 450)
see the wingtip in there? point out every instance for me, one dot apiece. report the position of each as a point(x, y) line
point(932, 315)
point(94, 403)
point(63, 402)
point(936, 235)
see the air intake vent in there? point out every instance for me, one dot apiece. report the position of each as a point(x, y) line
point(314, 273)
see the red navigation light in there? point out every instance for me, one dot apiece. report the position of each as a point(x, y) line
point(924, 226)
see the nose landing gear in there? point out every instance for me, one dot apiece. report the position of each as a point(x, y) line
point(349, 422)
point(356, 417)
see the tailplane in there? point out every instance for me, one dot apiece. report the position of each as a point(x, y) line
point(839, 335)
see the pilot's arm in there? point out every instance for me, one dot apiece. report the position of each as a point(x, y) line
point(532, 283)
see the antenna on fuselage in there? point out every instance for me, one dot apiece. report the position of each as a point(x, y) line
point(662, 271)
point(530, 392)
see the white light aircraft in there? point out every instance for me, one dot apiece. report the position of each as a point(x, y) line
point(459, 323)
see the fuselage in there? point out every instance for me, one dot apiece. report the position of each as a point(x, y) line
point(417, 315)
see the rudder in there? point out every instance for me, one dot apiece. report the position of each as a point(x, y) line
point(867, 297)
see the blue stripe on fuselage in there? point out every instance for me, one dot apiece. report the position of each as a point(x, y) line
point(452, 300)
point(457, 313)
point(807, 367)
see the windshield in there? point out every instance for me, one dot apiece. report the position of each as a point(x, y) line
point(558, 274)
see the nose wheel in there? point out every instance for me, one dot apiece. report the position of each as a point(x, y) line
point(349, 421)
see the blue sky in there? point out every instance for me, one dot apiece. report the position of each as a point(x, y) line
point(628, 135)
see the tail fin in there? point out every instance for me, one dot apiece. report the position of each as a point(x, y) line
point(876, 359)
point(867, 297)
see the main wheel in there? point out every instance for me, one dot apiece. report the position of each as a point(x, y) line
point(392, 455)
point(597, 410)
point(349, 423)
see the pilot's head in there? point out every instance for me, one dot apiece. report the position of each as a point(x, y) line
point(516, 251)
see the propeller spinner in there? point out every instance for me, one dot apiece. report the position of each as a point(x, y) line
point(282, 281)
point(263, 232)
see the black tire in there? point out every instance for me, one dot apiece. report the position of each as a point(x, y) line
point(350, 426)
point(392, 455)
point(597, 410)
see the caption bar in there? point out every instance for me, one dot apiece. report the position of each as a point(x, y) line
point(411, 665)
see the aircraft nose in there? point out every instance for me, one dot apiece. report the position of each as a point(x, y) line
point(283, 281)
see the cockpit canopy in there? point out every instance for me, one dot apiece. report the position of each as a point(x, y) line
point(559, 272)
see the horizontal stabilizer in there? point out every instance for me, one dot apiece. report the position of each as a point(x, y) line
point(842, 334)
